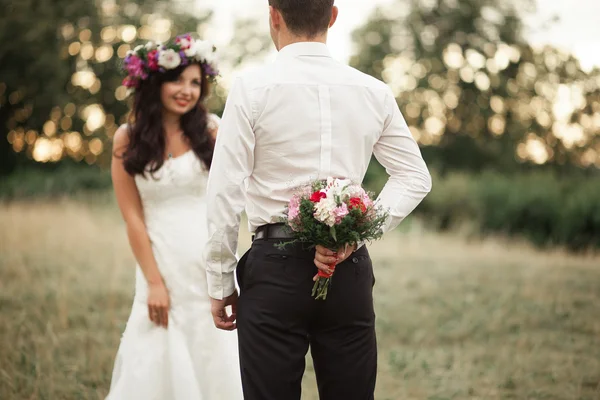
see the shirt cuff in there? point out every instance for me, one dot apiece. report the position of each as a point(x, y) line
point(220, 286)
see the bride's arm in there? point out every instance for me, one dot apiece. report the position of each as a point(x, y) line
point(130, 205)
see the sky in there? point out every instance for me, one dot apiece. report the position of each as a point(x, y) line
point(576, 31)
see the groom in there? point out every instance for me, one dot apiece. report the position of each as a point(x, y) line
point(303, 117)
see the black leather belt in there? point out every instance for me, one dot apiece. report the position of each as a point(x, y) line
point(272, 231)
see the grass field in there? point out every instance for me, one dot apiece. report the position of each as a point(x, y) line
point(457, 318)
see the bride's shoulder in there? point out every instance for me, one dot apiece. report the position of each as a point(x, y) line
point(213, 123)
point(121, 137)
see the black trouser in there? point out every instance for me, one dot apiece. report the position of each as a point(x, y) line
point(278, 319)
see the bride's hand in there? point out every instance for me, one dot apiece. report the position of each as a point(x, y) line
point(158, 304)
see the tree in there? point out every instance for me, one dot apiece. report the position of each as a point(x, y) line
point(474, 92)
point(32, 71)
point(61, 92)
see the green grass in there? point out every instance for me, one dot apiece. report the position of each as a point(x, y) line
point(65, 180)
point(457, 318)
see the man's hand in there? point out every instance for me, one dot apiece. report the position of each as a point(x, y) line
point(219, 313)
point(325, 258)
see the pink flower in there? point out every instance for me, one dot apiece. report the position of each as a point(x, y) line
point(184, 41)
point(135, 67)
point(340, 212)
point(305, 191)
point(367, 200)
point(294, 208)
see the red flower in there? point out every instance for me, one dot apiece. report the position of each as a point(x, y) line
point(153, 60)
point(357, 202)
point(317, 196)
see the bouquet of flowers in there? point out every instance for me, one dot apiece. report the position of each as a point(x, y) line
point(332, 213)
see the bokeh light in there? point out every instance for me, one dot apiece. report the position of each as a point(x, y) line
point(128, 33)
point(94, 116)
point(104, 53)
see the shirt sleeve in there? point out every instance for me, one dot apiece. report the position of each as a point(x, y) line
point(232, 163)
point(409, 179)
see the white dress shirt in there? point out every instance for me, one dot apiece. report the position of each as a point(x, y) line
point(303, 117)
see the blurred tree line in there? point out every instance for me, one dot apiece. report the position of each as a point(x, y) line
point(61, 96)
point(475, 94)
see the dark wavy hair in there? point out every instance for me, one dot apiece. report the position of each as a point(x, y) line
point(146, 149)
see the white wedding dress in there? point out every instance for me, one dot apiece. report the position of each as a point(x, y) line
point(191, 359)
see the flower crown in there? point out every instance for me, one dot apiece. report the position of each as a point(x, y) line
point(157, 57)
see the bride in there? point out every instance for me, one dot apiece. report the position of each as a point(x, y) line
point(170, 349)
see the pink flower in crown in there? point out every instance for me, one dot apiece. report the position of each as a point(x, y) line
point(340, 212)
point(185, 41)
point(153, 60)
point(135, 66)
point(367, 200)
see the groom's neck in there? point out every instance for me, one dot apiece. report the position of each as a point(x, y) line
point(286, 40)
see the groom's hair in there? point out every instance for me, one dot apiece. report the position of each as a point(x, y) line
point(305, 17)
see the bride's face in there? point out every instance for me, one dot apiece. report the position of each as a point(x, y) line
point(182, 94)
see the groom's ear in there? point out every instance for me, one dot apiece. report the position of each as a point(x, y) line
point(276, 17)
point(334, 15)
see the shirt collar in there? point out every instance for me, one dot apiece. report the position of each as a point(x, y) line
point(315, 49)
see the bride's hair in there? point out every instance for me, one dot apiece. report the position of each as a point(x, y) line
point(146, 149)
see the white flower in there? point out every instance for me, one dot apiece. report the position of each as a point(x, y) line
point(150, 45)
point(129, 53)
point(190, 48)
point(169, 59)
point(355, 191)
point(335, 187)
point(211, 59)
point(138, 48)
point(203, 49)
point(324, 211)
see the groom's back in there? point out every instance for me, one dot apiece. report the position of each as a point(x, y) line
point(307, 106)
point(312, 117)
